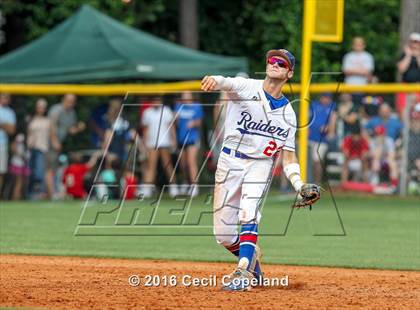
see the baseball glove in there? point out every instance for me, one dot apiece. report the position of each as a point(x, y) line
point(308, 195)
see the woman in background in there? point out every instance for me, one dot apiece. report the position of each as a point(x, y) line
point(189, 115)
point(159, 139)
point(39, 131)
point(19, 165)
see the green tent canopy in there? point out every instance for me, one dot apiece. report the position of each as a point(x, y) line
point(90, 46)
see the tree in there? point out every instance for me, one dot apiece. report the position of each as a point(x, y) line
point(236, 28)
point(28, 20)
point(410, 21)
point(251, 27)
point(188, 28)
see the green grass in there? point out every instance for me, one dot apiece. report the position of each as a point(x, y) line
point(380, 232)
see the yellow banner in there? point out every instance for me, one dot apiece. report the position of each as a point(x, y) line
point(328, 20)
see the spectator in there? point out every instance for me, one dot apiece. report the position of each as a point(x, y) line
point(385, 118)
point(348, 113)
point(370, 106)
point(63, 122)
point(358, 66)
point(98, 124)
point(159, 136)
point(108, 180)
point(63, 163)
point(414, 151)
point(7, 128)
point(74, 174)
point(118, 131)
point(383, 156)
point(19, 165)
point(145, 103)
point(128, 185)
point(189, 119)
point(356, 154)
point(38, 139)
point(409, 69)
point(321, 131)
point(409, 63)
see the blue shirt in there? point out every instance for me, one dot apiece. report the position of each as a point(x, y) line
point(120, 137)
point(276, 103)
point(186, 113)
point(320, 114)
point(7, 116)
point(393, 126)
point(98, 116)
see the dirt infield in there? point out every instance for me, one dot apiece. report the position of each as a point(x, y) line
point(73, 282)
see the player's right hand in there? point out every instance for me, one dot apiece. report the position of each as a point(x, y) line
point(208, 83)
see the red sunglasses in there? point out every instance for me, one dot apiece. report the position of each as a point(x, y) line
point(279, 61)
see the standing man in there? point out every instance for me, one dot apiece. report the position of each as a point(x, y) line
point(409, 63)
point(409, 70)
point(117, 133)
point(260, 122)
point(7, 128)
point(63, 122)
point(358, 66)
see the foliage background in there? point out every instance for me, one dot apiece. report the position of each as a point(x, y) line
point(241, 28)
point(238, 28)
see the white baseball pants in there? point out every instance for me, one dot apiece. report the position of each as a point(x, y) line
point(241, 185)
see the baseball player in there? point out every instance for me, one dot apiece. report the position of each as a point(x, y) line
point(259, 123)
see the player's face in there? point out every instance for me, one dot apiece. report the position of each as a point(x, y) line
point(278, 68)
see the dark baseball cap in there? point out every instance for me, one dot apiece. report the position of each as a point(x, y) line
point(283, 54)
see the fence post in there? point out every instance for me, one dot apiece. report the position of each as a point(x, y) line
point(405, 143)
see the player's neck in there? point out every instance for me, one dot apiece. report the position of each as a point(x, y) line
point(273, 87)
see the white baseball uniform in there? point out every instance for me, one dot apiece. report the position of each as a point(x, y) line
point(254, 132)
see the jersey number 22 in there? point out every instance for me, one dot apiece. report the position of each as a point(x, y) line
point(271, 149)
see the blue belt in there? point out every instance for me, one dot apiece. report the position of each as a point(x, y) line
point(237, 154)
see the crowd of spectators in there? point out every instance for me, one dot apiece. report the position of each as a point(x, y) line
point(366, 129)
point(39, 168)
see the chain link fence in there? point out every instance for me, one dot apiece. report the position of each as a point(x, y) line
point(366, 143)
